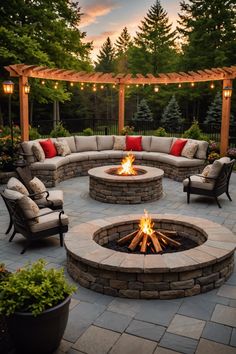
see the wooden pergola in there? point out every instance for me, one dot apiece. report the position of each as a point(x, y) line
point(225, 74)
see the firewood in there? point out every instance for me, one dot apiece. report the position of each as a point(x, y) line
point(144, 243)
point(127, 238)
point(155, 242)
point(168, 239)
point(168, 232)
point(136, 240)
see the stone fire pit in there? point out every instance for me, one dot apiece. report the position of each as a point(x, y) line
point(110, 188)
point(165, 276)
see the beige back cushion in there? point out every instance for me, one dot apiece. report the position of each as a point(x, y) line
point(62, 147)
point(70, 141)
point(86, 143)
point(16, 185)
point(217, 166)
point(105, 142)
point(160, 144)
point(189, 149)
point(146, 142)
point(13, 195)
point(119, 142)
point(29, 208)
point(37, 186)
point(201, 152)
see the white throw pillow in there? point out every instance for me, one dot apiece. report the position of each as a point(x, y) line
point(62, 147)
point(37, 186)
point(189, 149)
point(16, 185)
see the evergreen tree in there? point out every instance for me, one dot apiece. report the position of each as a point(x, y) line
point(214, 113)
point(122, 46)
point(208, 30)
point(155, 42)
point(106, 57)
point(171, 118)
point(143, 112)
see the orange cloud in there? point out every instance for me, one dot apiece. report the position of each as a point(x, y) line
point(96, 9)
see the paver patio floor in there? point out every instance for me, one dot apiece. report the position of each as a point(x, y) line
point(101, 324)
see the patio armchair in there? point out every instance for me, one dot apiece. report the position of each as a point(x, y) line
point(30, 221)
point(213, 181)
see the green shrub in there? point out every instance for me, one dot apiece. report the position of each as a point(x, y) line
point(34, 134)
point(33, 289)
point(213, 156)
point(59, 131)
point(194, 132)
point(88, 131)
point(127, 130)
point(160, 132)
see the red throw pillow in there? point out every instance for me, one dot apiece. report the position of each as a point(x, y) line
point(134, 143)
point(177, 147)
point(48, 148)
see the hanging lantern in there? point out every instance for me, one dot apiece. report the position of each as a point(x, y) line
point(27, 89)
point(227, 91)
point(8, 87)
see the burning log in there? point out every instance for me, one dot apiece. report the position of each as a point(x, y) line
point(146, 236)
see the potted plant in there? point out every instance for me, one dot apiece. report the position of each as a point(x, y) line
point(35, 302)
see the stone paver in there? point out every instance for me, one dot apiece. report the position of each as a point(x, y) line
point(217, 307)
point(102, 340)
point(186, 326)
point(128, 344)
point(208, 347)
point(145, 330)
point(224, 315)
point(217, 332)
point(114, 321)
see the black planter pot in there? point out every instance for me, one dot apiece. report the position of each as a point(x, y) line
point(41, 334)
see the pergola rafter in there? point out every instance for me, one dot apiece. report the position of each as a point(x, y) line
point(23, 71)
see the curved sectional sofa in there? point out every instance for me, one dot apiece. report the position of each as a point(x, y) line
point(93, 151)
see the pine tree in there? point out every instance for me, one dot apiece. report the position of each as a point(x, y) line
point(155, 41)
point(171, 118)
point(214, 113)
point(208, 30)
point(106, 57)
point(143, 112)
point(122, 46)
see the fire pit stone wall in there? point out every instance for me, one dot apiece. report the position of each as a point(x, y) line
point(166, 276)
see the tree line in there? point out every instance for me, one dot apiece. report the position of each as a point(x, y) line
point(48, 33)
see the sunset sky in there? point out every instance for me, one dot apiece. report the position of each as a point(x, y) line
point(103, 18)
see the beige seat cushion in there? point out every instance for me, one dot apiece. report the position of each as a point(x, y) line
point(56, 196)
point(48, 221)
point(189, 149)
point(29, 208)
point(160, 144)
point(105, 142)
point(197, 182)
point(38, 151)
point(16, 185)
point(70, 141)
point(37, 186)
point(217, 166)
point(62, 147)
point(86, 143)
point(50, 164)
point(13, 195)
point(119, 142)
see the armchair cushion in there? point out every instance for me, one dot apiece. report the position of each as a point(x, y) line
point(29, 208)
point(12, 195)
point(16, 185)
point(217, 166)
point(48, 221)
point(198, 182)
point(37, 186)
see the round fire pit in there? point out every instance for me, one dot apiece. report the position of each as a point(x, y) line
point(108, 187)
point(161, 276)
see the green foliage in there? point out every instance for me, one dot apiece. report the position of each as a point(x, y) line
point(214, 113)
point(34, 134)
point(143, 112)
point(160, 132)
point(106, 57)
point(33, 289)
point(213, 156)
point(3, 272)
point(127, 130)
point(194, 132)
point(231, 152)
point(9, 148)
point(122, 51)
point(88, 131)
point(59, 131)
point(172, 118)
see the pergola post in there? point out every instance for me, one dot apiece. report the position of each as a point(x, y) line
point(24, 108)
point(121, 107)
point(225, 121)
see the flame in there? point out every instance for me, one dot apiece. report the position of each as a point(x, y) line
point(146, 224)
point(127, 166)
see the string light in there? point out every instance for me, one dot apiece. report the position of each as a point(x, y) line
point(102, 87)
point(71, 84)
point(156, 89)
point(43, 82)
point(113, 86)
point(212, 86)
point(180, 85)
point(192, 84)
point(128, 86)
point(81, 88)
point(137, 85)
point(94, 88)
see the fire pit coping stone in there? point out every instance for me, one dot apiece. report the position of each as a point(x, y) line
point(165, 276)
